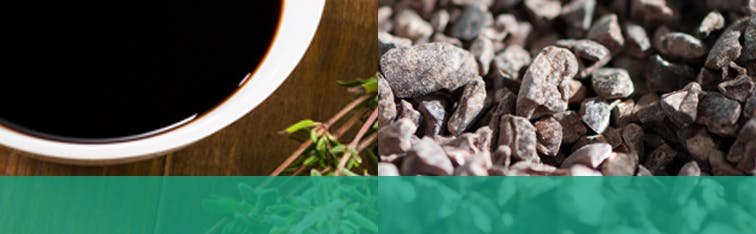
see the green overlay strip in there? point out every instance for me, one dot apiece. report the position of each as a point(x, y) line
point(559, 205)
point(188, 205)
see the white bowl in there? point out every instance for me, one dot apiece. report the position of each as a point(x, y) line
point(297, 26)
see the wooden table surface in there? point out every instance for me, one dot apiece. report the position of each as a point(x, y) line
point(343, 48)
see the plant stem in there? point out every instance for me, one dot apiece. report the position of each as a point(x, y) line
point(307, 143)
point(299, 170)
point(291, 158)
point(347, 125)
point(366, 142)
point(345, 110)
point(365, 127)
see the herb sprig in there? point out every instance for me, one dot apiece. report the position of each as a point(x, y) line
point(322, 153)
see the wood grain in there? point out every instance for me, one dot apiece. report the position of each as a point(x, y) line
point(343, 48)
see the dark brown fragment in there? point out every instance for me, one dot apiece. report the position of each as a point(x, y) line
point(711, 22)
point(720, 166)
point(502, 156)
point(749, 108)
point(588, 51)
point(690, 169)
point(470, 23)
point(484, 3)
point(659, 159)
point(572, 126)
point(739, 88)
point(470, 104)
point(478, 165)
point(408, 24)
point(699, 144)
point(587, 140)
point(636, 68)
point(545, 86)
point(637, 43)
point(611, 83)
point(387, 42)
point(427, 158)
point(434, 116)
point(590, 155)
point(743, 150)
point(749, 38)
point(726, 49)
point(622, 113)
point(708, 79)
point(662, 75)
point(517, 133)
point(681, 106)
point(544, 9)
point(632, 137)
point(578, 15)
point(393, 158)
point(387, 169)
point(549, 134)
point(396, 138)
point(408, 112)
point(581, 170)
point(386, 105)
point(504, 25)
point(444, 66)
point(596, 114)
point(528, 168)
point(606, 30)
point(643, 171)
point(620, 164)
point(648, 109)
point(681, 45)
point(658, 38)
point(578, 92)
point(613, 137)
point(652, 12)
point(385, 24)
point(483, 50)
point(719, 113)
point(520, 36)
point(440, 20)
point(510, 61)
point(504, 104)
point(441, 38)
point(464, 146)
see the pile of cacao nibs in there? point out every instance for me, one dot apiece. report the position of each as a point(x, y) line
point(572, 87)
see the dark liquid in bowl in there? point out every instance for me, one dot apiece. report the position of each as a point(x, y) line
point(105, 71)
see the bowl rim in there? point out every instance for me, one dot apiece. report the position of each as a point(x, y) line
point(297, 25)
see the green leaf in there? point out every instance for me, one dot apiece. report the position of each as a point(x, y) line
point(348, 173)
point(221, 205)
point(353, 152)
point(300, 125)
point(313, 135)
point(314, 172)
point(311, 160)
point(247, 193)
point(321, 146)
point(275, 220)
point(351, 83)
point(361, 221)
point(338, 149)
point(370, 86)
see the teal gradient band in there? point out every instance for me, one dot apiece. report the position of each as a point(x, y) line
point(567, 205)
point(188, 205)
point(377, 204)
